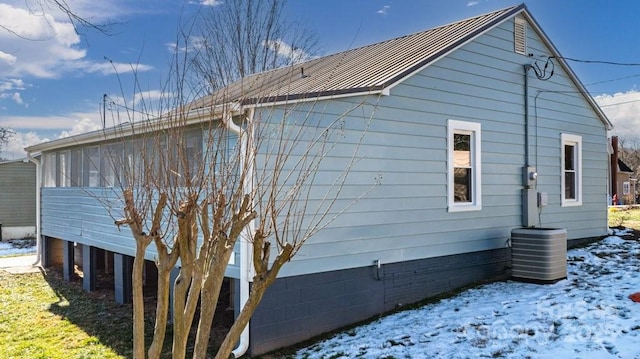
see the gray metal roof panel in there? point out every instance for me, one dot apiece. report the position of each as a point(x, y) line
point(368, 68)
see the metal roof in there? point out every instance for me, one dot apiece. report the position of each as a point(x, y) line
point(369, 68)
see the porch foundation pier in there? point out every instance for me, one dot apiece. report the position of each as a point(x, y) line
point(122, 268)
point(89, 268)
point(67, 260)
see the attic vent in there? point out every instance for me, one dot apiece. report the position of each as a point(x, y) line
point(520, 36)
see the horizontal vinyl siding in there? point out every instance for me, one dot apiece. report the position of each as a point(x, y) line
point(405, 217)
point(80, 215)
point(17, 194)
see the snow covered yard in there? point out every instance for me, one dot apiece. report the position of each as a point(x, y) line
point(10, 249)
point(588, 315)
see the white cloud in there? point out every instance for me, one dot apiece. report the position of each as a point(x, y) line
point(195, 43)
point(472, 3)
point(16, 98)
point(35, 43)
point(283, 49)
point(110, 68)
point(623, 110)
point(206, 2)
point(15, 148)
point(37, 129)
point(64, 122)
point(384, 10)
point(39, 41)
point(44, 44)
point(81, 126)
point(8, 59)
point(11, 84)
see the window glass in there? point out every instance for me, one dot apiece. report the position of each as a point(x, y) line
point(111, 165)
point(464, 166)
point(76, 167)
point(571, 191)
point(91, 166)
point(50, 166)
point(569, 172)
point(64, 173)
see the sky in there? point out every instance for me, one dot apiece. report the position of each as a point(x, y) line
point(587, 315)
point(53, 79)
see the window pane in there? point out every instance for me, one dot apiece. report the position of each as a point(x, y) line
point(91, 166)
point(569, 163)
point(112, 162)
point(570, 185)
point(462, 184)
point(65, 169)
point(461, 150)
point(50, 169)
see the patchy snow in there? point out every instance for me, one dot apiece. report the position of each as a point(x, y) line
point(588, 315)
point(7, 249)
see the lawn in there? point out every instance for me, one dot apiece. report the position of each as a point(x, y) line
point(624, 217)
point(42, 316)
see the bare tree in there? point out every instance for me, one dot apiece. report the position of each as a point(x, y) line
point(6, 134)
point(209, 174)
point(42, 7)
point(243, 37)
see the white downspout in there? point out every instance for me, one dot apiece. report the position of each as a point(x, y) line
point(245, 256)
point(39, 251)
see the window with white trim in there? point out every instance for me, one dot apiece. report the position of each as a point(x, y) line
point(464, 170)
point(626, 187)
point(571, 191)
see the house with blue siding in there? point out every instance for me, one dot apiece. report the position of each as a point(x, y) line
point(476, 128)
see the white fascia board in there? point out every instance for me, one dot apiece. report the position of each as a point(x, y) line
point(384, 92)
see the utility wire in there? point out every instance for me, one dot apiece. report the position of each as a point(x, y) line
point(597, 61)
point(613, 80)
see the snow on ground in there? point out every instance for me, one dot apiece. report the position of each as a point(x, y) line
point(588, 315)
point(7, 249)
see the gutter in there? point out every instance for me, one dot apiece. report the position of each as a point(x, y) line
point(39, 251)
point(245, 249)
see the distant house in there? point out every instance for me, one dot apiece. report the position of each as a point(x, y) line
point(622, 184)
point(17, 199)
point(471, 135)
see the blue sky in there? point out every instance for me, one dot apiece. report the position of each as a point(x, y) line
point(52, 85)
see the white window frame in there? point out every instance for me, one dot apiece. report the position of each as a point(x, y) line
point(626, 188)
point(575, 141)
point(473, 129)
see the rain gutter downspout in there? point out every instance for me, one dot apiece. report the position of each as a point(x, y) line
point(243, 344)
point(39, 251)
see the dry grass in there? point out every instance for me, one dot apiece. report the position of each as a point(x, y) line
point(624, 217)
